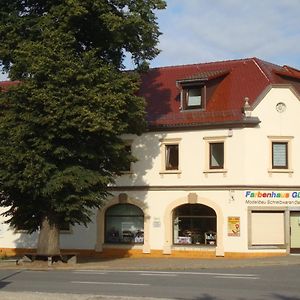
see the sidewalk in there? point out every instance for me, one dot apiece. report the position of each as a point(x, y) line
point(48, 296)
point(165, 263)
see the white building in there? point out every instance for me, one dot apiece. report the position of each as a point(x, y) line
point(218, 172)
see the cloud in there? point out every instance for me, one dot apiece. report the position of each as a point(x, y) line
point(201, 30)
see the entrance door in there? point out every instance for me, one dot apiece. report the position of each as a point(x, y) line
point(295, 232)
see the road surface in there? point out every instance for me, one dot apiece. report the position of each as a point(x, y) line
point(276, 282)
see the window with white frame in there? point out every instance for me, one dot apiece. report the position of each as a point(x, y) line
point(170, 155)
point(280, 154)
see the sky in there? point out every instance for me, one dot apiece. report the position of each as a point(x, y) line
point(196, 31)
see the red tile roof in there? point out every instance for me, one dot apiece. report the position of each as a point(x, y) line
point(234, 80)
point(231, 81)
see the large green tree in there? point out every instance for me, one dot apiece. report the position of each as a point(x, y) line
point(60, 124)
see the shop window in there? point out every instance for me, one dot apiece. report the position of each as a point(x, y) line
point(267, 228)
point(194, 224)
point(216, 155)
point(64, 227)
point(124, 223)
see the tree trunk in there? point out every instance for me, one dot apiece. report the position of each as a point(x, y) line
point(48, 241)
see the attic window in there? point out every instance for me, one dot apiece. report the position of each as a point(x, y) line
point(193, 97)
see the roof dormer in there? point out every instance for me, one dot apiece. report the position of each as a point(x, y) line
point(193, 95)
point(193, 89)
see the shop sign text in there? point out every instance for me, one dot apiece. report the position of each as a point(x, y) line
point(277, 198)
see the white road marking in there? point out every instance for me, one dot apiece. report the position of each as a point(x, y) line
point(171, 273)
point(157, 274)
point(236, 277)
point(110, 283)
point(90, 273)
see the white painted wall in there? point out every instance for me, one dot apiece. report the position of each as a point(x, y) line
point(247, 162)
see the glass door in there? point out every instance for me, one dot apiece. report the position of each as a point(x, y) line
point(295, 232)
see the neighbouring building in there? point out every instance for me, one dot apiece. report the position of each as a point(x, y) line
point(218, 171)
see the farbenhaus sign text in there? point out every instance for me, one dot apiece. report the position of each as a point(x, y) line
point(283, 198)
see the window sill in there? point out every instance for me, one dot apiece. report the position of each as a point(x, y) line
point(280, 171)
point(170, 172)
point(192, 247)
point(123, 246)
point(215, 171)
point(189, 109)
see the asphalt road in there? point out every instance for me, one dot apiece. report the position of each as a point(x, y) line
point(273, 282)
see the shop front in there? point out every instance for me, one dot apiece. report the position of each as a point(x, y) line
point(274, 220)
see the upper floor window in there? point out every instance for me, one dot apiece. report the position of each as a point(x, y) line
point(280, 156)
point(127, 165)
point(171, 157)
point(216, 155)
point(170, 153)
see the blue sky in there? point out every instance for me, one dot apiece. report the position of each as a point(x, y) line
point(202, 31)
point(197, 31)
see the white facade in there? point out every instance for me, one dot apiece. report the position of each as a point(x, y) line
point(247, 191)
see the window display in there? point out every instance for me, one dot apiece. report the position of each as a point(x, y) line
point(194, 224)
point(124, 223)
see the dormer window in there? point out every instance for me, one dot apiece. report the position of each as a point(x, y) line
point(193, 88)
point(193, 97)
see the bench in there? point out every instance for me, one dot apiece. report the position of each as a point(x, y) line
point(64, 257)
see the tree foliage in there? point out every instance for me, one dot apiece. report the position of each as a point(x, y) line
point(60, 125)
